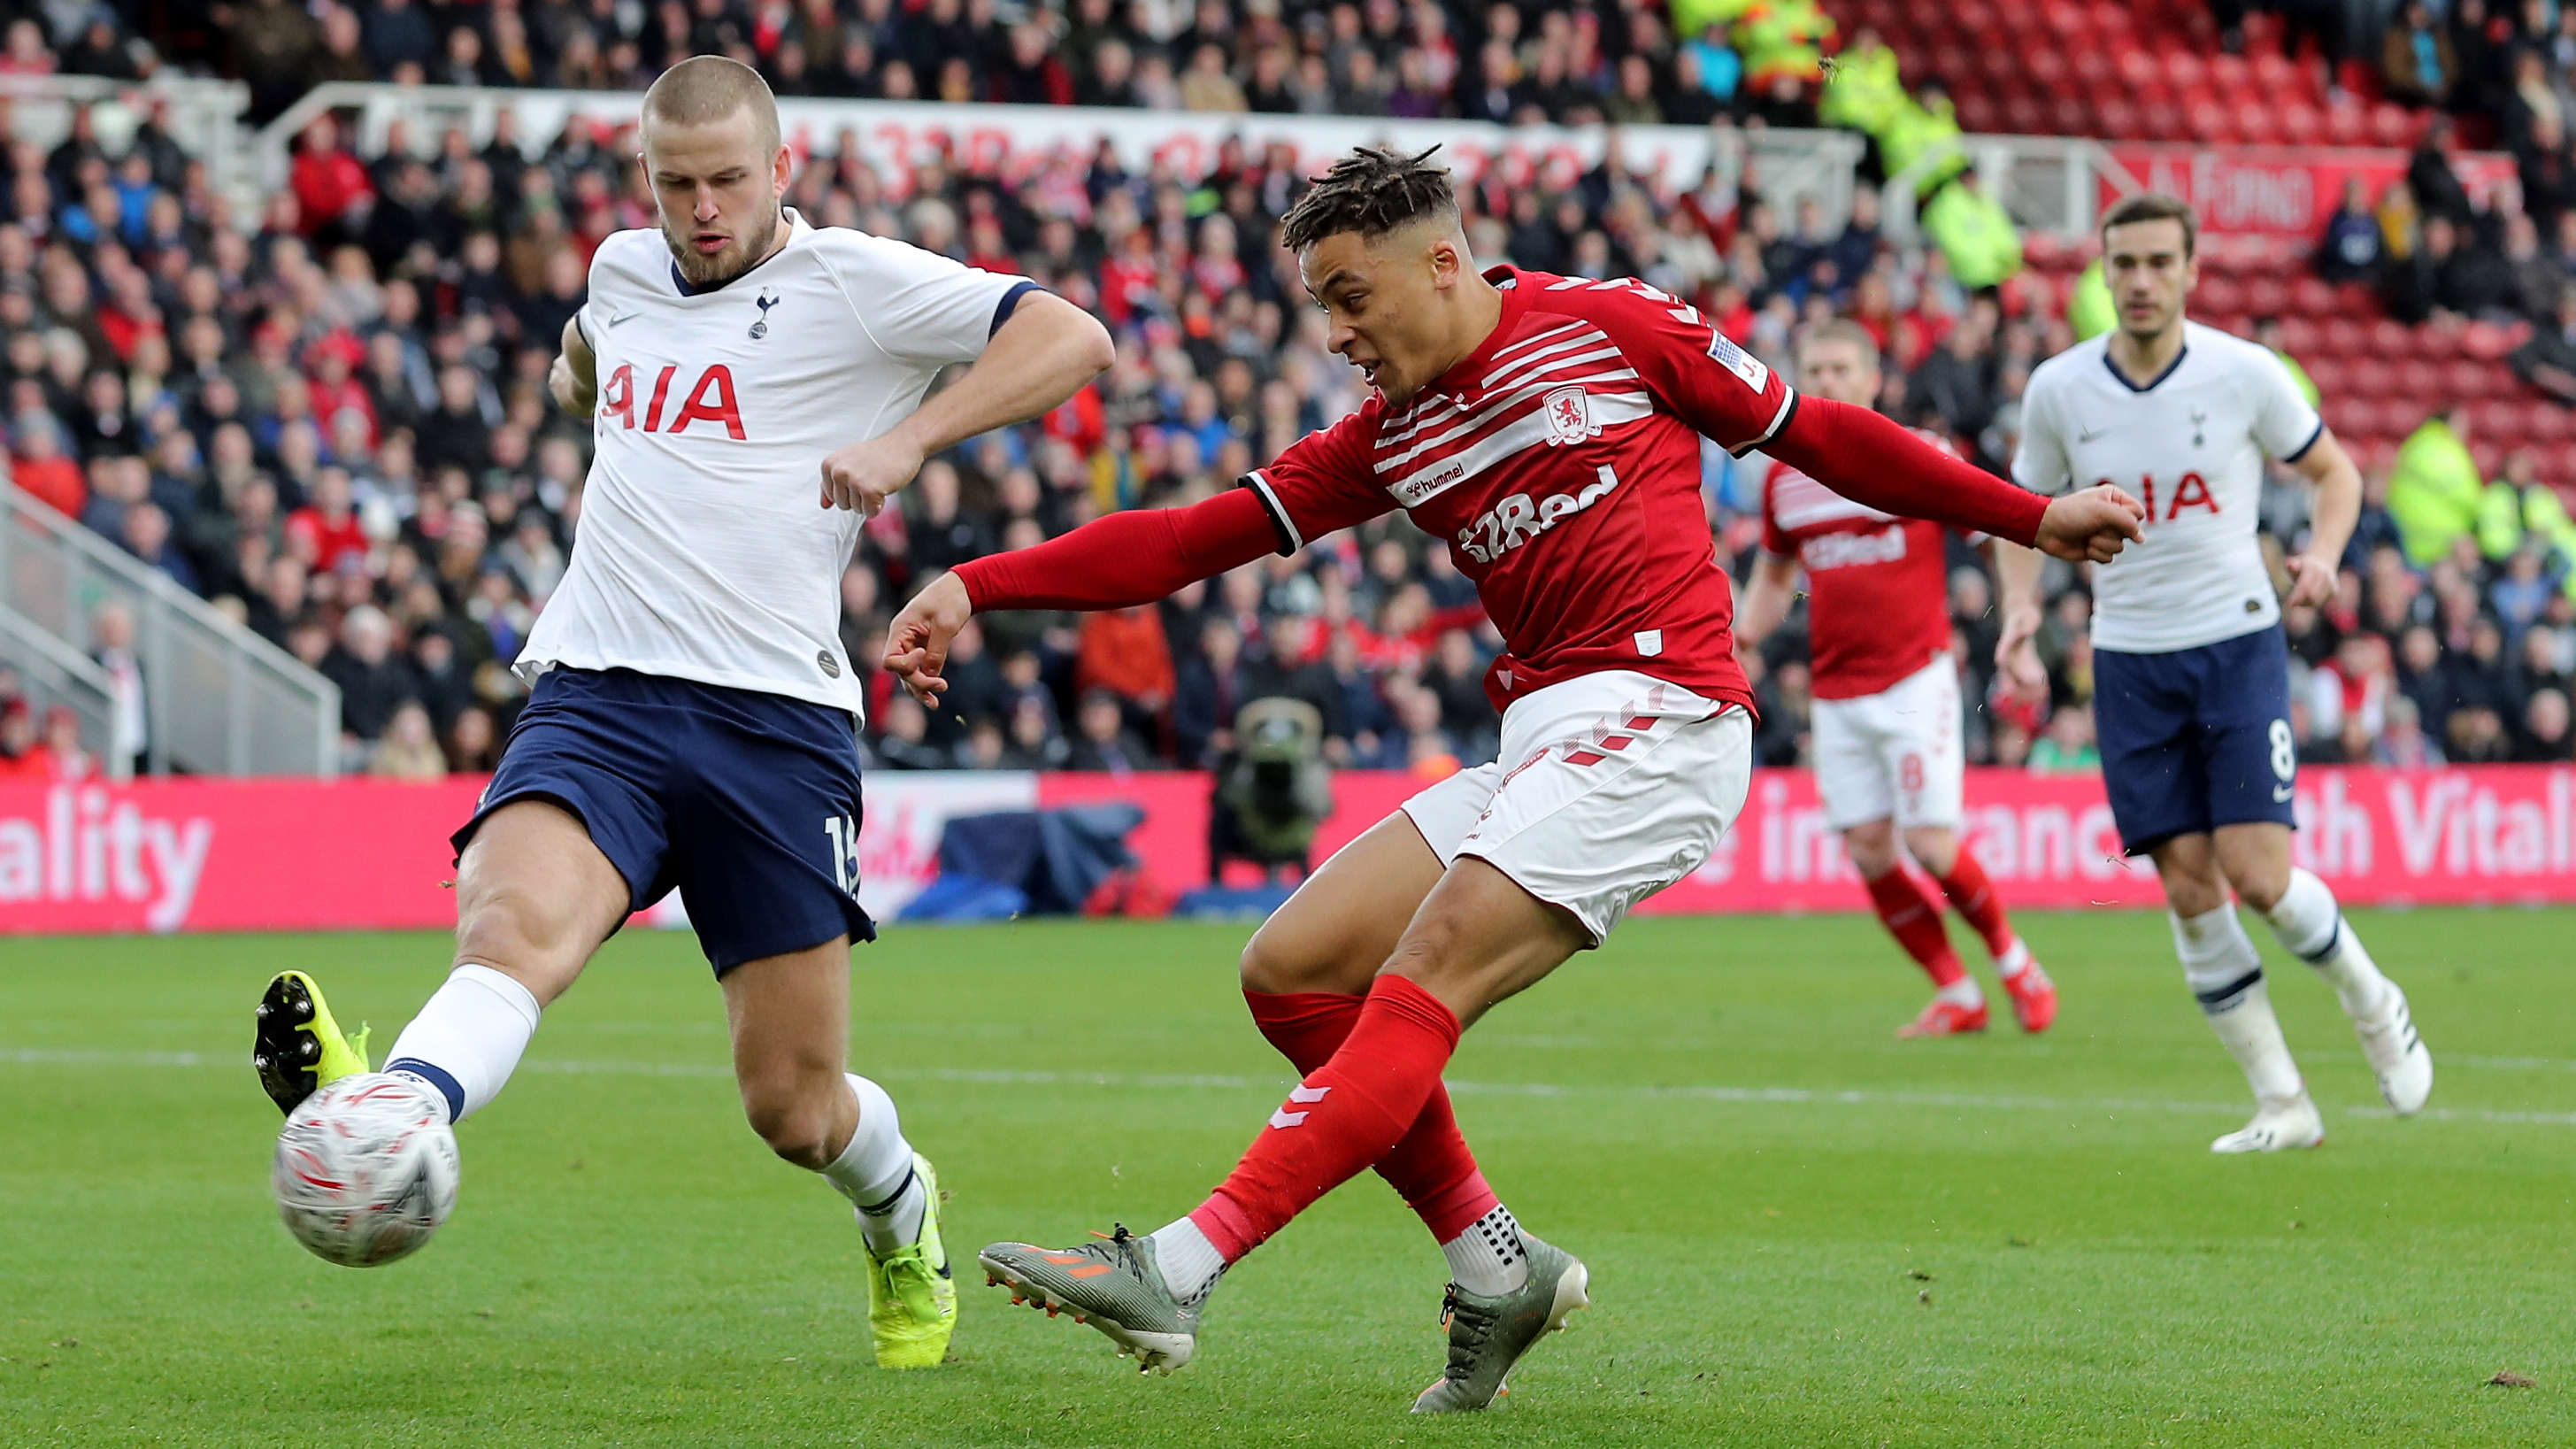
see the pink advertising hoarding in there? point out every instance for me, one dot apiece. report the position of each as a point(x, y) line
point(278, 855)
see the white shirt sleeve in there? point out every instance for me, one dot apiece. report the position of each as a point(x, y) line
point(2039, 463)
point(917, 305)
point(2284, 424)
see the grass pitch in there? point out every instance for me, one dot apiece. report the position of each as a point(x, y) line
point(1800, 1230)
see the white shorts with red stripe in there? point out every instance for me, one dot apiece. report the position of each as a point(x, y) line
point(1894, 754)
point(1608, 788)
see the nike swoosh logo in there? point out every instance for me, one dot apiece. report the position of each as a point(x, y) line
point(2281, 794)
point(622, 317)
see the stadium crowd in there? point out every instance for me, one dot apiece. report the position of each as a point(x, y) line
point(331, 419)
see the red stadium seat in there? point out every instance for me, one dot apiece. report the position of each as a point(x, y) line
point(2394, 339)
point(2421, 381)
point(2111, 18)
point(2209, 122)
point(2346, 336)
point(1973, 17)
point(2301, 336)
point(2158, 120)
point(2332, 375)
point(2024, 115)
point(2550, 423)
point(2276, 74)
point(2467, 379)
point(2371, 378)
point(1952, 66)
point(2265, 296)
point(2218, 292)
point(2138, 69)
point(2350, 417)
point(2489, 456)
point(2071, 116)
point(2119, 120)
point(2257, 123)
point(2185, 70)
point(2301, 124)
point(2230, 74)
point(2486, 340)
point(1978, 114)
point(2497, 420)
point(2393, 125)
point(2311, 297)
point(2347, 125)
point(2047, 69)
point(2094, 70)
point(2357, 299)
point(2002, 67)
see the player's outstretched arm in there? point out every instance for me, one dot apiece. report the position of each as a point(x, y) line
point(1115, 562)
point(2313, 573)
point(1048, 351)
point(574, 378)
point(1870, 459)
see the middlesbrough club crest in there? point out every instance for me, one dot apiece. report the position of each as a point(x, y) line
point(1569, 415)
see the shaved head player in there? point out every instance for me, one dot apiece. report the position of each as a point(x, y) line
point(754, 386)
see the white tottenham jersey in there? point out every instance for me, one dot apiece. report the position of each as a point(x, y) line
point(2190, 446)
point(703, 552)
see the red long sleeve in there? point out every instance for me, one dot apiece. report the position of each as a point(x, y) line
point(1870, 459)
point(1130, 558)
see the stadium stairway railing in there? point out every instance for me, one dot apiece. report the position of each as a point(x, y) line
point(204, 117)
point(53, 673)
point(218, 699)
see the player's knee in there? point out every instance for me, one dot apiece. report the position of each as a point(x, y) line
point(797, 1125)
point(1872, 848)
point(2263, 890)
point(1935, 848)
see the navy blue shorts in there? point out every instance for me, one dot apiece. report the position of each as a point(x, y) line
point(746, 803)
point(2196, 738)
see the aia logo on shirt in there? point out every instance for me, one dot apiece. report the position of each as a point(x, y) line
point(1569, 416)
point(708, 400)
point(2191, 492)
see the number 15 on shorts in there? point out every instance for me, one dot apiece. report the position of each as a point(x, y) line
point(844, 833)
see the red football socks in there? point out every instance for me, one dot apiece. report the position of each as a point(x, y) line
point(1345, 1116)
point(1915, 922)
point(1974, 898)
point(1431, 1167)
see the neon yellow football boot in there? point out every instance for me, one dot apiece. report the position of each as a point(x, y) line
point(298, 1049)
point(912, 1300)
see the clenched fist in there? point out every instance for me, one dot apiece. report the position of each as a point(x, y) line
point(863, 476)
point(2094, 524)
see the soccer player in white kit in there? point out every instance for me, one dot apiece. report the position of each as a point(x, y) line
point(755, 386)
point(1888, 758)
point(2191, 671)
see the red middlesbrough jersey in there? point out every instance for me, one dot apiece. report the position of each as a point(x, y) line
point(1560, 460)
point(1878, 602)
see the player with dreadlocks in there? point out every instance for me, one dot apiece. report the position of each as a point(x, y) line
point(1548, 428)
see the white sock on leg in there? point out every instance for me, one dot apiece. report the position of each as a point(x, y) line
point(467, 1039)
point(875, 1172)
point(1190, 1263)
point(2219, 961)
point(1488, 1258)
point(2311, 925)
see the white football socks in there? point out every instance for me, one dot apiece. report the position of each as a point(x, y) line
point(2308, 922)
point(467, 1039)
point(1189, 1262)
point(875, 1172)
point(1488, 1259)
point(2219, 961)
point(1962, 992)
point(2014, 961)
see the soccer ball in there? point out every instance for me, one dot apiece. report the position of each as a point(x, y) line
point(365, 1170)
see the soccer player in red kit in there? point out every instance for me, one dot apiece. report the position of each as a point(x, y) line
point(1887, 753)
point(1548, 428)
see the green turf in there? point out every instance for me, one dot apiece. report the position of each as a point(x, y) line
point(1800, 1231)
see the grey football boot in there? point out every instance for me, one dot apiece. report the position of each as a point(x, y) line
point(1489, 1335)
point(1113, 1284)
